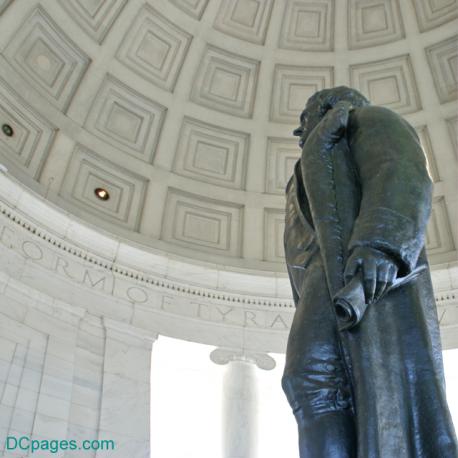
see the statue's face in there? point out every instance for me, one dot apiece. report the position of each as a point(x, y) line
point(309, 118)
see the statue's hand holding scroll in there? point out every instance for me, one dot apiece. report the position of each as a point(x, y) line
point(369, 275)
point(377, 271)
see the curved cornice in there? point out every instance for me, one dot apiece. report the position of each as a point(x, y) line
point(50, 251)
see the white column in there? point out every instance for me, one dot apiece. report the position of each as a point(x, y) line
point(125, 403)
point(240, 401)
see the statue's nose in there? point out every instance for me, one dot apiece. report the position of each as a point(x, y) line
point(298, 132)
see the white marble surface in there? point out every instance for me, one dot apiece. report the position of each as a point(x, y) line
point(240, 401)
point(75, 376)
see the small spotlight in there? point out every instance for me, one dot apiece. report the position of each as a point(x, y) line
point(101, 193)
point(7, 130)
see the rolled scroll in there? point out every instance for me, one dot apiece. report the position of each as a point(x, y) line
point(350, 304)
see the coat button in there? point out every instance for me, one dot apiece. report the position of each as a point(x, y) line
point(341, 401)
point(344, 404)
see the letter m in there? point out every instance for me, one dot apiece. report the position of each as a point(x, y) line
point(87, 279)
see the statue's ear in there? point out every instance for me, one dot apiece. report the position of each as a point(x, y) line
point(328, 102)
point(325, 108)
point(356, 98)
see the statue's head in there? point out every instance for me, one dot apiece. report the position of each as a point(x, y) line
point(322, 101)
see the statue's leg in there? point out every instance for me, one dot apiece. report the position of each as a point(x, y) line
point(314, 379)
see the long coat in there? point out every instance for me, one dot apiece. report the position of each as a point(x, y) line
point(382, 199)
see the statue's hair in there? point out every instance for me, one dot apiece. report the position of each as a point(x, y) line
point(327, 98)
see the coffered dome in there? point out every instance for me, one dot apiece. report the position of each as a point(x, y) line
point(168, 123)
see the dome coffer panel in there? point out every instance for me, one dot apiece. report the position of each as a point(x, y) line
point(169, 123)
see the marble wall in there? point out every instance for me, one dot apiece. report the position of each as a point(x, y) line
point(67, 374)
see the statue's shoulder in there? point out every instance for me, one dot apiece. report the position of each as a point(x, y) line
point(371, 115)
point(370, 112)
point(366, 124)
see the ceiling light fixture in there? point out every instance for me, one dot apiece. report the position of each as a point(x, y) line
point(101, 193)
point(7, 130)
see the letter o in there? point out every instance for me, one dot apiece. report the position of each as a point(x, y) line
point(34, 252)
point(136, 295)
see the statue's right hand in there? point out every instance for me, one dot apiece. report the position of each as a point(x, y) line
point(378, 270)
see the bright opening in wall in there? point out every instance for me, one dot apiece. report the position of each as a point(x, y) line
point(187, 405)
point(187, 399)
point(451, 381)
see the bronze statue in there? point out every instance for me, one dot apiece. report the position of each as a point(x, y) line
point(363, 372)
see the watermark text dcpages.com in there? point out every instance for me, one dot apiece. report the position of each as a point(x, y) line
point(25, 443)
